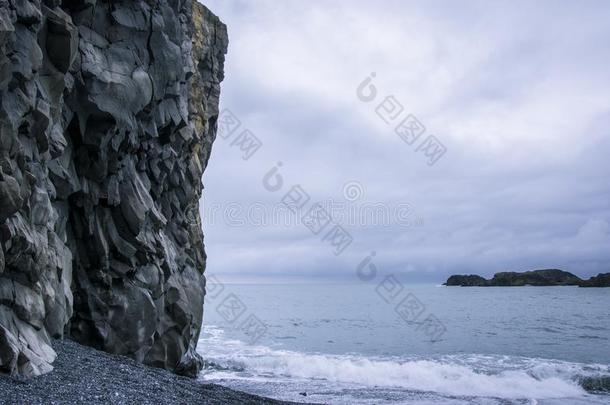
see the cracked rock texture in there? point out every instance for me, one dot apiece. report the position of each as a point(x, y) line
point(107, 116)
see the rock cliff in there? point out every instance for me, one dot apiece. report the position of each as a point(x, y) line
point(107, 116)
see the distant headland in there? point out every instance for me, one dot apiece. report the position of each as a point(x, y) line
point(547, 277)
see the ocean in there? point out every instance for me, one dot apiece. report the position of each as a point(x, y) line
point(409, 344)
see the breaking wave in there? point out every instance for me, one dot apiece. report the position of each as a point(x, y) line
point(504, 377)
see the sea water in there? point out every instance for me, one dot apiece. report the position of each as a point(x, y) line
point(350, 343)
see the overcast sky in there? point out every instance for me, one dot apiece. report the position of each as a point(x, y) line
point(517, 93)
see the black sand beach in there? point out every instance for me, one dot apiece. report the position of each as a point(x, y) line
point(85, 375)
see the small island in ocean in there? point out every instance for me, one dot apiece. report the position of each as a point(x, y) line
point(547, 277)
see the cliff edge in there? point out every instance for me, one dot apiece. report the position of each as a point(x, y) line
point(107, 117)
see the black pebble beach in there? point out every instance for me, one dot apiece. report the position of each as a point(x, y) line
point(85, 375)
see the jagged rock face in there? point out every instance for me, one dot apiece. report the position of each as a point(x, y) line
point(107, 116)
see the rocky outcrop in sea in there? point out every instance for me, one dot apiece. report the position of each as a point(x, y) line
point(548, 277)
point(601, 280)
point(107, 116)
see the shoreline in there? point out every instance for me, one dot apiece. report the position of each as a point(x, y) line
point(84, 375)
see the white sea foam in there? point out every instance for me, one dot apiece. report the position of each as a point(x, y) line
point(483, 376)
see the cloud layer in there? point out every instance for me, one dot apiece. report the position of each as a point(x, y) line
point(516, 92)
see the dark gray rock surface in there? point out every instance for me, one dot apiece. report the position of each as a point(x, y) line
point(86, 376)
point(107, 116)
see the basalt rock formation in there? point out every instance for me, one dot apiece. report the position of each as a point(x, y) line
point(107, 116)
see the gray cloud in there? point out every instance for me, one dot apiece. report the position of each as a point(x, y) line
point(517, 92)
